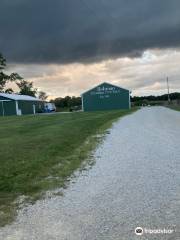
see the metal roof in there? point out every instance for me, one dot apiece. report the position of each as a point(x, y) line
point(19, 97)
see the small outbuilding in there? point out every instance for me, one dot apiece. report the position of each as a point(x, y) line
point(14, 104)
point(106, 96)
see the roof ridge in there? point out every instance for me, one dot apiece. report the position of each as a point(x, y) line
point(19, 97)
point(102, 84)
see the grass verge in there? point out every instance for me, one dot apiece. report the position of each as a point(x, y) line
point(38, 153)
point(177, 108)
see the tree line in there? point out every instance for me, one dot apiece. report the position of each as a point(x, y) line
point(164, 97)
point(67, 102)
point(155, 100)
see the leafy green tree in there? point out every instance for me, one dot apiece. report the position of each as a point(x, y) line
point(9, 90)
point(67, 102)
point(5, 78)
point(42, 95)
point(26, 88)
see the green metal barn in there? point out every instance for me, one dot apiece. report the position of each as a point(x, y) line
point(14, 104)
point(106, 97)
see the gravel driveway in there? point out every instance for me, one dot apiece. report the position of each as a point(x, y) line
point(134, 183)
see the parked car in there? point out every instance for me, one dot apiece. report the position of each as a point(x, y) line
point(75, 108)
point(49, 107)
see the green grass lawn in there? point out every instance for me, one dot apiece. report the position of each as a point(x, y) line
point(38, 153)
point(177, 108)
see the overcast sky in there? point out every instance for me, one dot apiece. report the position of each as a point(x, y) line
point(68, 46)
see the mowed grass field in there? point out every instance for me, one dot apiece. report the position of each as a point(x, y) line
point(38, 153)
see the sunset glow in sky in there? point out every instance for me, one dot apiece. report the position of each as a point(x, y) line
point(67, 47)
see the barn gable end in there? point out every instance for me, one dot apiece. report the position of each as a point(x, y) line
point(106, 96)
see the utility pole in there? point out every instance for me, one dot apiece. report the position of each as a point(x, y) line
point(168, 90)
point(3, 108)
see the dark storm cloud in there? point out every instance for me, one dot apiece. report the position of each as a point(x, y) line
point(63, 31)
